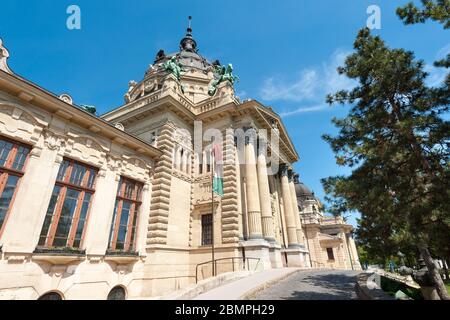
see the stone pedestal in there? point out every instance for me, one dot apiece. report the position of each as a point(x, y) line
point(260, 249)
point(276, 257)
point(295, 257)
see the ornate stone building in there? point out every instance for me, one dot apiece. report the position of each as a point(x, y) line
point(120, 206)
point(329, 240)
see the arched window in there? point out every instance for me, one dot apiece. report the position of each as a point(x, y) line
point(51, 296)
point(117, 293)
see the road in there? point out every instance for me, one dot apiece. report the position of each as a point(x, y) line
point(313, 285)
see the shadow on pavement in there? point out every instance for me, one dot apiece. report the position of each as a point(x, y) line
point(329, 286)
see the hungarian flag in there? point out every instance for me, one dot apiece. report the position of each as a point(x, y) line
point(218, 170)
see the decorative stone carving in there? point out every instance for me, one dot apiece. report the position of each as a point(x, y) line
point(112, 163)
point(120, 126)
point(66, 98)
point(273, 202)
point(4, 55)
point(131, 86)
point(52, 141)
point(151, 86)
point(183, 138)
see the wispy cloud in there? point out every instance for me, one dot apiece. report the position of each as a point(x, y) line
point(437, 75)
point(304, 110)
point(242, 94)
point(312, 84)
point(443, 52)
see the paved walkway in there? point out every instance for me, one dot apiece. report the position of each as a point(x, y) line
point(313, 285)
point(237, 289)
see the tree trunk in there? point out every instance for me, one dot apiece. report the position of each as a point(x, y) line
point(434, 273)
point(444, 262)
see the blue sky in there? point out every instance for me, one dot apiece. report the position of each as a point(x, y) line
point(285, 53)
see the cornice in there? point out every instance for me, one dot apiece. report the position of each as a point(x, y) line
point(41, 98)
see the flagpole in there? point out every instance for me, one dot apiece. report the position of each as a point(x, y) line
point(212, 205)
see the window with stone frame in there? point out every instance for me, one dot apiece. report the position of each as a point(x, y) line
point(330, 253)
point(207, 225)
point(125, 219)
point(68, 212)
point(13, 159)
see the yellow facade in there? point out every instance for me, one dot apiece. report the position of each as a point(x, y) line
point(161, 245)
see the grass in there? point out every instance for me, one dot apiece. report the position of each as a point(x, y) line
point(447, 285)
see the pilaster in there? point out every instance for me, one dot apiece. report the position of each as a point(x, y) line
point(159, 210)
point(230, 211)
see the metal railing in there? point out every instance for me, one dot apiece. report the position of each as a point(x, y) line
point(243, 264)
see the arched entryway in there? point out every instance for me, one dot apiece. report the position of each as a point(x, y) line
point(51, 296)
point(117, 293)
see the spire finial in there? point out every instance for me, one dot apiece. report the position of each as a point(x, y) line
point(189, 30)
point(188, 43)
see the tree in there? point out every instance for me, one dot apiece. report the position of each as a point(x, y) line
point(435, 10)
point(396, 141)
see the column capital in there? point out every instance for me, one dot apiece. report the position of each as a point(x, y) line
point(251, 134)
point(291, 175)
point(284, 170)
point(296, 178)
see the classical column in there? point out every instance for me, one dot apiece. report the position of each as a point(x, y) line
point(265, 198)
point(253, 203)
point(189, 164)
point(288, 210)
point(292, 178)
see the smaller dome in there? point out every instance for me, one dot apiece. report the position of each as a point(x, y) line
point(302, 191)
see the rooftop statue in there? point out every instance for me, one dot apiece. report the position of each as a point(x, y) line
point(175, 68)
point(160, 55)
point(4, 55)
point(131, 85)
point(225, 74)
point(90, 109)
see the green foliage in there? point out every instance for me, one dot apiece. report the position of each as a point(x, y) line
point(396, 141)
point(435, 10)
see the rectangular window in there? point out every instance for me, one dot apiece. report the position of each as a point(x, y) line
point(330, 253)
point(207, 225)
point(13, 157)
point(67, 214)
point(125, 218)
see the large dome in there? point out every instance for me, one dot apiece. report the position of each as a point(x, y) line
point(188, 56)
